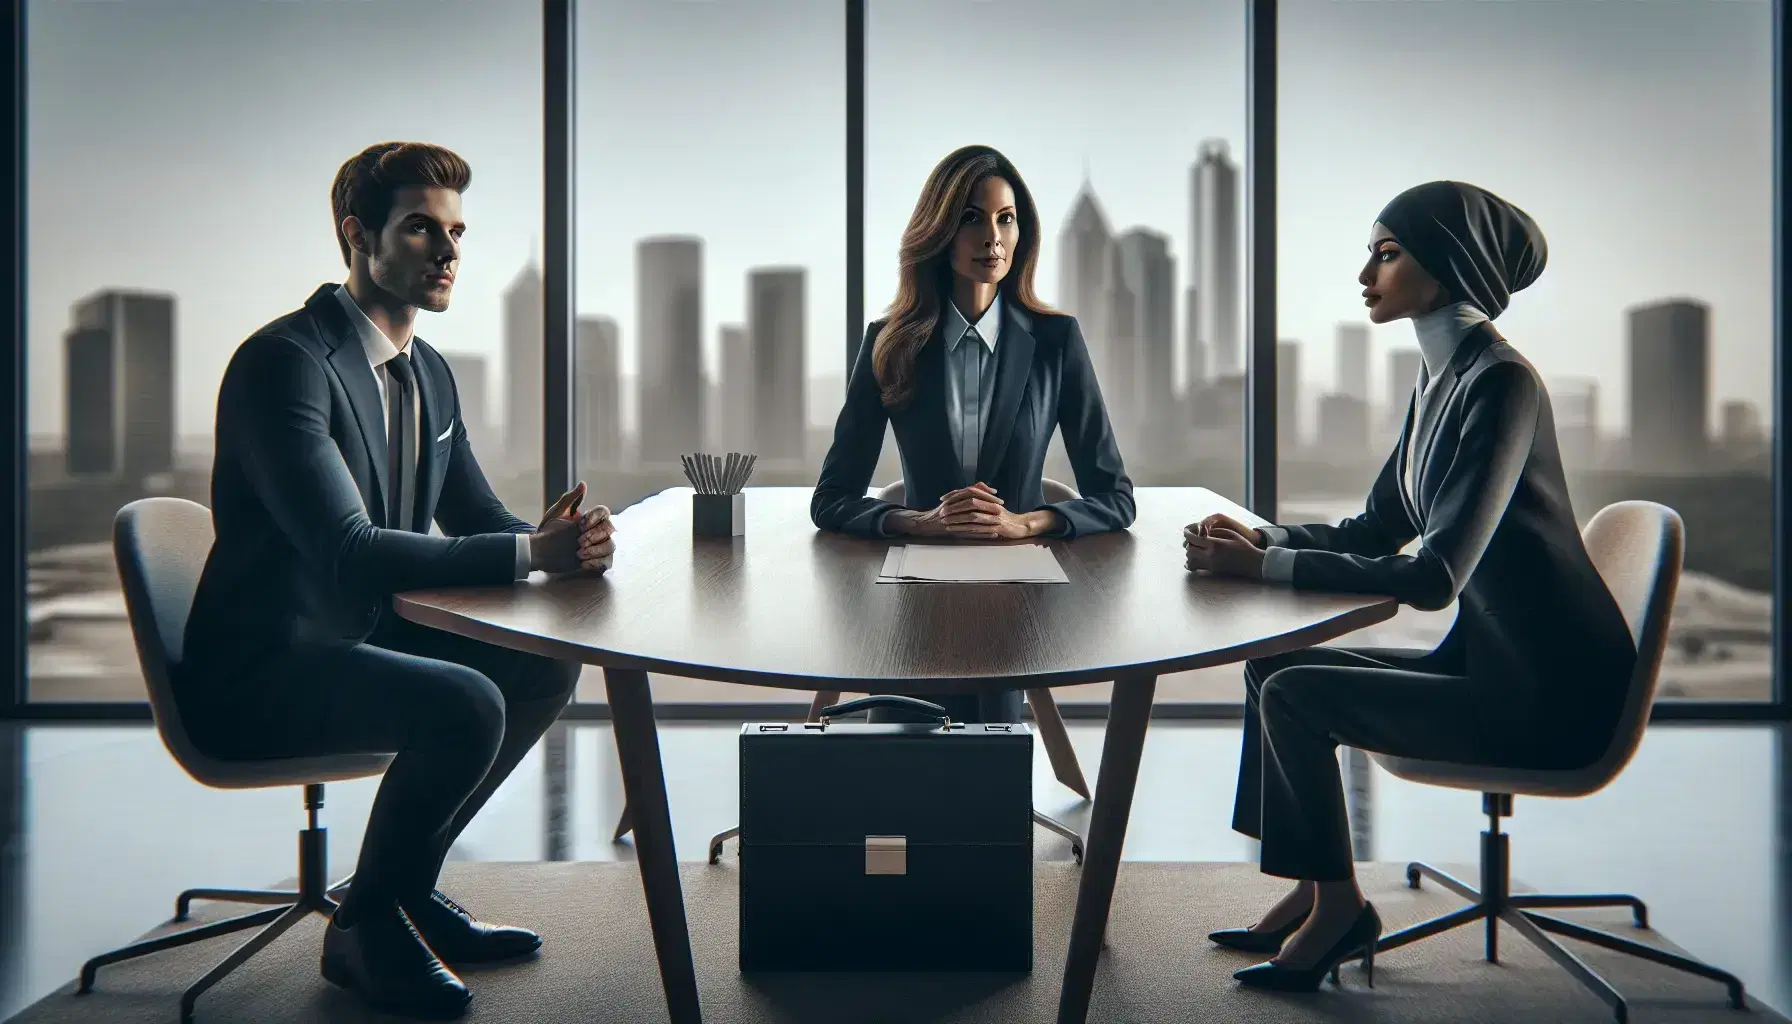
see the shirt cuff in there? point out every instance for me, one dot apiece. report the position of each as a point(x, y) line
point(1278, 565)
point(523, 556)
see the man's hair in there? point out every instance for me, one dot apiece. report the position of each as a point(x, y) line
point(367, 181)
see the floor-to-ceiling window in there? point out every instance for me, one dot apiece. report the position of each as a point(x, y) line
point(711, 210)
point(179, 162)
point(178, 197)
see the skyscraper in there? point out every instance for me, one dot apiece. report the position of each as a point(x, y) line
point(1149, 273)
point(1669, 385)
point(119, 376)
point(1194, 350)
point(1217, 414)
point(1214, 270)
point(525, 333)
point(597, 409)
point(1575, 403)
point(1084, 289)
point(1288, 437)
point(735, 431)
point(472, 382)
point(1343, 434)
point(1742, 425)
point(1353, 360)
point(775, 303)
point(669, 298)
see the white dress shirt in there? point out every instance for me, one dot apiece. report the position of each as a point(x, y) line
point(970, 383)
point(1440, 332)
point(380, 350)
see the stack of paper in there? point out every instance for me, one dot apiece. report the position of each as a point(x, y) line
point(971, 563)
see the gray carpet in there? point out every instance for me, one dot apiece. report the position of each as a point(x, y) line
point(598, 964)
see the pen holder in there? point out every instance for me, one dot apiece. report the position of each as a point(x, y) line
point(719, 515)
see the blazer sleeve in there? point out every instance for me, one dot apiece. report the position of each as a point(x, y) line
point(467, 505)
point(1382, 529)
point(1107, 502)
point(1499, 425)
point(275, 398)
point(840, 502)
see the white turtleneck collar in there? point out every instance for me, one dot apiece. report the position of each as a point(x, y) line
point(1442, 329)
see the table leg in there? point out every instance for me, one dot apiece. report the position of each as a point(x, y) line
point(1129, 712)
point(1056, 740)
point(638, 748)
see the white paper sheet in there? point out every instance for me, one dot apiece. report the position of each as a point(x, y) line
point(971, 563)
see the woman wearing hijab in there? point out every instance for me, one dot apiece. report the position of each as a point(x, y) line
point(1534, 671)
point(974, 374)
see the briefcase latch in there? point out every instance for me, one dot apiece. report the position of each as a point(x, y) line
point(886, 855)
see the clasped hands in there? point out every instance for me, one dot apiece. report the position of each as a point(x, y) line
point(1224, 546)
point(567, 541)
point(975, 513)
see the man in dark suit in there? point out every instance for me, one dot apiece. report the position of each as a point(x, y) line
point(339, 441)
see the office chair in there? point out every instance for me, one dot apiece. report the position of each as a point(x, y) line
point(1637, 548)
point(161, 545)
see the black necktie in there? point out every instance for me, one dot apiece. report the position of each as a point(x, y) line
point(401, 440)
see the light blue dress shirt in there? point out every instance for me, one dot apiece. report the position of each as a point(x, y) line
point(970, 383)
point(971, 387)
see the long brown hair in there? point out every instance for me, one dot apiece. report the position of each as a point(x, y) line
point(925, 263)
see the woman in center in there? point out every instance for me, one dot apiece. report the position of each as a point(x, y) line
point(974, 373)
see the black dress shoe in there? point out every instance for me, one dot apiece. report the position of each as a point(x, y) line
point(1359, 941)
point(382, 959)
point(1252, 941)
point(458, 939)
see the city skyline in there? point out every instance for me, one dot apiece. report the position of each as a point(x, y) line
point(127, 351)
point(1617, 204)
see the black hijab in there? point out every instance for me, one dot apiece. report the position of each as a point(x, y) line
point(1478, 246)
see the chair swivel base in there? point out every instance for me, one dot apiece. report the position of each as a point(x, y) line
point(1494, 902)
point(1045, 821)
point(313, 896)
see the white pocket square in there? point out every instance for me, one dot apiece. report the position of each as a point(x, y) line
point(445, 433)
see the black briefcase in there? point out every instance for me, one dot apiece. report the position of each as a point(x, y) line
point(902, 847)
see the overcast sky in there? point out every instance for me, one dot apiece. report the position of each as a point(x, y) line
point(188, 145)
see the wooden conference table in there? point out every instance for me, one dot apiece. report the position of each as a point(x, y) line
point(788, 606)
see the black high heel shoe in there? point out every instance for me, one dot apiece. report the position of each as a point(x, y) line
point(1359, 941)
point(1252, 941)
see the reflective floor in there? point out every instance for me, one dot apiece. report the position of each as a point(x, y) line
point(101, 830)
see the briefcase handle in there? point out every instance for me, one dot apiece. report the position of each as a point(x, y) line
point(926, 707)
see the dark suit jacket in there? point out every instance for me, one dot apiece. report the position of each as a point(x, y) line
point(303, 553)
point(1044, 381)
point(1496, 532)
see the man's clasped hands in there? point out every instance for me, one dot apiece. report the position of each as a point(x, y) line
point(567, 541)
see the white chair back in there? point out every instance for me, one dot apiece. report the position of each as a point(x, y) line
point(161, 545)
point(1639, 549)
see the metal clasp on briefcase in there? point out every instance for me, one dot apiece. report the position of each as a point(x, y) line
point(886, 855)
